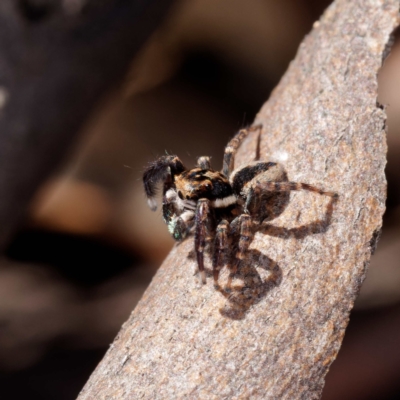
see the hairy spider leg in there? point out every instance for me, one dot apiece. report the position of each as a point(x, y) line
point(233, 145)
point(289, 186)
point(201, 234)
point(204, 162)
point(258, 144)
point(220, 247)
point(245, 237)
point(252, 196)
point(162, 169)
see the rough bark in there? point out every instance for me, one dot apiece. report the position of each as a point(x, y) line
point(57, 59)
point(276, 337)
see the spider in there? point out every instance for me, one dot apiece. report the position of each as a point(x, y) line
point(219, 206)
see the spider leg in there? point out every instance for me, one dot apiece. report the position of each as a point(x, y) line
point(220, 247)
point(204, 162)
point(245, 237)
point(232, 147)
point(160, 170)
point(252, 197)
point(201, 234)
point(287, 187)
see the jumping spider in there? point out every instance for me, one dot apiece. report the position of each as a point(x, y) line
point(219, 205)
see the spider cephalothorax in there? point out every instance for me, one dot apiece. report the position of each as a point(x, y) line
point(219, 205)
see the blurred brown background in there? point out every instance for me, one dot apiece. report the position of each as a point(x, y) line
point(78, 265)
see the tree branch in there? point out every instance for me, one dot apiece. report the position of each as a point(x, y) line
point(277, 337)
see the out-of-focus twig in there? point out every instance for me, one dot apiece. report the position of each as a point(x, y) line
point(276, 336)
point(57, 59)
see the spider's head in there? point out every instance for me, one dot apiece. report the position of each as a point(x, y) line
point(182, 188)
point(199, 183)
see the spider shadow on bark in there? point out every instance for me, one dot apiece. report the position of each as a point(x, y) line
point(254, 288)
point(318, 226)
point(241, 298)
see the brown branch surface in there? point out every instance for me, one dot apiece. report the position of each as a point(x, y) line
point(276, 337)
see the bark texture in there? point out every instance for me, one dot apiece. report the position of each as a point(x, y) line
point(276, 334)
point(57, 59)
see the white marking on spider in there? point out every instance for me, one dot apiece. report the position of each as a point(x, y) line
point(189, 205)
point(172, 197)
point(187, 216)
point(151, 201)
point(224, 202)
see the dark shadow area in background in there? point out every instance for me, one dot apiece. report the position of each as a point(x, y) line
point(83, 260)
point(204, 71)
point(367, 364)
point(60, 375)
